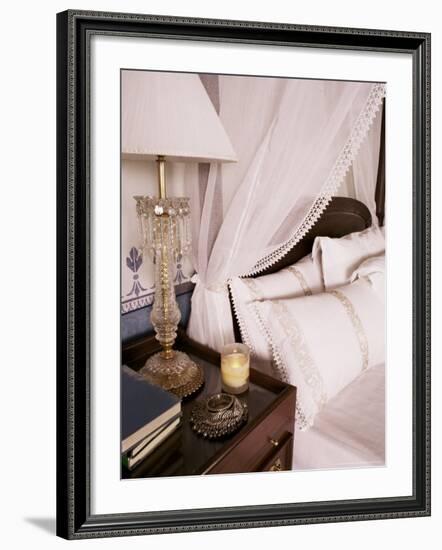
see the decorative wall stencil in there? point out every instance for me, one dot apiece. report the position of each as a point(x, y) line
point(179, 277)
point(138, 296)
point(133, 262)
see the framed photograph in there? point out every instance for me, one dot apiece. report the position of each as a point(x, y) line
point(243, 274)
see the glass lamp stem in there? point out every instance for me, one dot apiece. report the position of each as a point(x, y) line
point(165, 324)
point(164, 225)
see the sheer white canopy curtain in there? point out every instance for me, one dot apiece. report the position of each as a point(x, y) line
point(360, 182)
point(295, 141)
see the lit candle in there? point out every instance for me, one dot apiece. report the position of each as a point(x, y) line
point(235, 368)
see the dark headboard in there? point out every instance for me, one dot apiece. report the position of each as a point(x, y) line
point(342, 216)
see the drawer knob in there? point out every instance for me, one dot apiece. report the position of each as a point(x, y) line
point(274, 442)
point(277, 467)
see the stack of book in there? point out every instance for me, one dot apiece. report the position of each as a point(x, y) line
point(149, 415)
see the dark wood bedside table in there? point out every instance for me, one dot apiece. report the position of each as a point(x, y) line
point(264, 443)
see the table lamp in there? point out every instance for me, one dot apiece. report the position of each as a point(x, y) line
point(168, 117)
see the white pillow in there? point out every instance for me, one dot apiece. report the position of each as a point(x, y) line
point(371, 268)
point(376, 264)
point(300, 279)
point(321, 343)
point(340, 257)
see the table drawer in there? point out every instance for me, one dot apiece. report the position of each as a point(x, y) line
point(262, 441)
point(281, 458)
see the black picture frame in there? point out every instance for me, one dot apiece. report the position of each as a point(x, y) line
point(74, 518)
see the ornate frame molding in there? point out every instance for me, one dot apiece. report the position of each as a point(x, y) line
point(74, 30)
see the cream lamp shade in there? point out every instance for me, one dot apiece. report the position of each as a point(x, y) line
point(170, 114)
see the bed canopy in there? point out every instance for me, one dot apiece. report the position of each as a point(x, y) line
point(298, 142)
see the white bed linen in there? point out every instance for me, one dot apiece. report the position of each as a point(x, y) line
point(341, 256)
point(321, 343)
point(350, 430)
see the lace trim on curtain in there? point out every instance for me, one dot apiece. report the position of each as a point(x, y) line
point(242, 326)
point(334, 180)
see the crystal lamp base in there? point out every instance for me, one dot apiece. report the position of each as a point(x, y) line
point(177, 374)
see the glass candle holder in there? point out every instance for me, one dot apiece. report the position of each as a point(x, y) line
point(235, 368)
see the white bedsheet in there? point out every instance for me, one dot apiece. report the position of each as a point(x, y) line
point(350, 430)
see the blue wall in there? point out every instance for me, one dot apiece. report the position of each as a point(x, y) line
point(136, 324)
